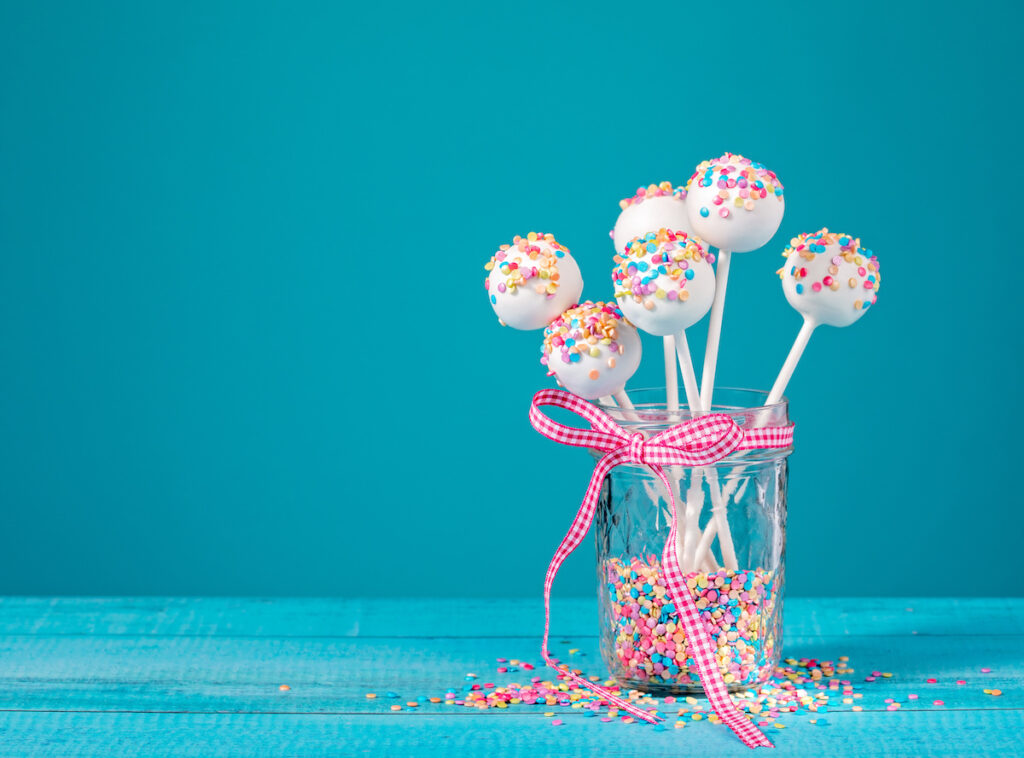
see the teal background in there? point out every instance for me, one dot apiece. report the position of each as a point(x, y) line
point(245, 344)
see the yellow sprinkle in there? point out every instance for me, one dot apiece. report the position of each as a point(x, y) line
point(777, 725)
point(887, 675)
point(696, 717)
point(573, 650)
point(858, 708)
point(371, 695)
point(396, 707)
point(549, 713)
point(680, 724)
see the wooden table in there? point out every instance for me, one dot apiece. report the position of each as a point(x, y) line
point(203, 676)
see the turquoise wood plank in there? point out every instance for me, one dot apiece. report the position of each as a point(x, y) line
point(334, 675)
point(201, 677)
point(847, 735)
point(298, 617)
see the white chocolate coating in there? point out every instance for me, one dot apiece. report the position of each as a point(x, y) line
point(591, 350)
point(532, 280)
point(734, 204)
point(830, 278)
point(650, 215)
point(664, 282)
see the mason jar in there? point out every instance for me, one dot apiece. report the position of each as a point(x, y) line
point(731, 548)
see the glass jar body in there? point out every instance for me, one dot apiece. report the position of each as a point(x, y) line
point(731, 547)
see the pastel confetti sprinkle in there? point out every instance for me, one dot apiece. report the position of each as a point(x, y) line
point(662, 189)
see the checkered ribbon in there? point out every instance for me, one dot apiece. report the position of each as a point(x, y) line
point(699, 442)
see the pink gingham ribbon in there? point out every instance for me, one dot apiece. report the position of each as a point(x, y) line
point(699, 442)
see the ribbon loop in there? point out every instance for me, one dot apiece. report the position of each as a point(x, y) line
point(702, 441)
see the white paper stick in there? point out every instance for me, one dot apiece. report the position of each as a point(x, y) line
point(792, 359)
point(671, 377)
point(689, 376)
point(627, 406)
point(707, 382)
point(608, 400)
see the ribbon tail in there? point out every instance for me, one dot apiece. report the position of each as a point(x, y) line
point(697, 640)
point(577, 531)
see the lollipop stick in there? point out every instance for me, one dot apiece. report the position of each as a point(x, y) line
point(689, 377)
point(707, 382)
point(792, 359)
point(627, 406)
point(671, 377)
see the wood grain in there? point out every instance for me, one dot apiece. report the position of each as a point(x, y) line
point(175, 676)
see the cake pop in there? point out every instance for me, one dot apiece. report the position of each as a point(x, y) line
point(659, 206)
point(830, 279)
point(664, 284)
point(592, 351)
point(532, 280)
point(736, 205)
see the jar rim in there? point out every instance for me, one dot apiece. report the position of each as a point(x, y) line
point(716, 407)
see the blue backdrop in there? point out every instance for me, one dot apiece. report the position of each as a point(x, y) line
point(245, 341)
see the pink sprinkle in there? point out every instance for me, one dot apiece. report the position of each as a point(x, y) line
point(960, 681)
point(724, 213)
point(986, 671)
point(556, 722)
point(931, 681)
point(502, 669)
point(911, 696)
point(606, 718)
point(816, 286)
point(502, 660)
point(937, 702)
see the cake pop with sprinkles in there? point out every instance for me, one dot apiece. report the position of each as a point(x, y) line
point(830, 279)
point(664, 284)
point(592, 351)
point(532, 280)
point(658, 206)
point(736, 205)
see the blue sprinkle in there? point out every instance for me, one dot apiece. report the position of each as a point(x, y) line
point(395, 694)
point(493, 300)
point(799, 289)
point(559, 254)
point(574, 358)
point(689, 273)
point(704, 211)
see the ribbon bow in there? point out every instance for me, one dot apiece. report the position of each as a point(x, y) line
point(699, 442)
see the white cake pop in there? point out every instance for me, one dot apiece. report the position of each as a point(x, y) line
point(592, 350)
point(659, 206)
point(664, 282)
point(734, 203)
point(532, 280)
point(830, 279)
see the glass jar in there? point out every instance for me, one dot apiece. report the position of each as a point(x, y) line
point(731, 548)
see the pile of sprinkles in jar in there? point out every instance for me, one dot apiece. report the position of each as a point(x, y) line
point(735, 606)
